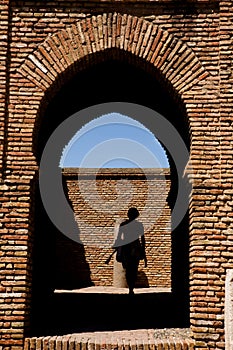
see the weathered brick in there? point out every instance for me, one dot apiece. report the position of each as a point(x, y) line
point(43, 46)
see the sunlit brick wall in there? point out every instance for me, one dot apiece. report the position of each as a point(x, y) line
point(101, 199)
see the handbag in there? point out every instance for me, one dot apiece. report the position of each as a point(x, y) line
point(119, 254)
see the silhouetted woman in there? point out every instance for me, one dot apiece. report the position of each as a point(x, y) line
point(131, 241)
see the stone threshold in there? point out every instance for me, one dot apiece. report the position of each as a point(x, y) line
point(140, 339)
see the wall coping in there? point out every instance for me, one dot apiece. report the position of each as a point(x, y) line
point(116, 172)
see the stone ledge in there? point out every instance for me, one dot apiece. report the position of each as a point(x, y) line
point(113, 290)
point(116, 172)
point(156, 339)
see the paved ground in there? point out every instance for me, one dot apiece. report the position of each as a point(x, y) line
point(113, 290)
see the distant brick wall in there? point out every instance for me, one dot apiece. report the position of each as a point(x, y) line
point(101, 201)
point(187, 47)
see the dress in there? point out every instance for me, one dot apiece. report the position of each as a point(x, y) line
point(132, 242)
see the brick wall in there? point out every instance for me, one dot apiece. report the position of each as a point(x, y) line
point(4, 71)
point(100, 200)
point(186, 47)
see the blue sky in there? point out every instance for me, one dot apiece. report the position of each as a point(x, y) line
point(113, 141)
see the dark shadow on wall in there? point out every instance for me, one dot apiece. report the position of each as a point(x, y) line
point(142, 280)
point(180, 270)
point(58, 262)
point(180, 247)
point(71, 268)
point(43, 259)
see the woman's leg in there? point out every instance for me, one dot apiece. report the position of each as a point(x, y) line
point(131, 274)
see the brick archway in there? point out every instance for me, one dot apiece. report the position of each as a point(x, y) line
point(59, 53)
point(172, 58)
point(64, 53)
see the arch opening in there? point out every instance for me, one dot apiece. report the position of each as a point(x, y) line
point(111, 135)
point(89, 87)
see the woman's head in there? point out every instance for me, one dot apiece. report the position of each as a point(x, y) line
point(133, 213)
